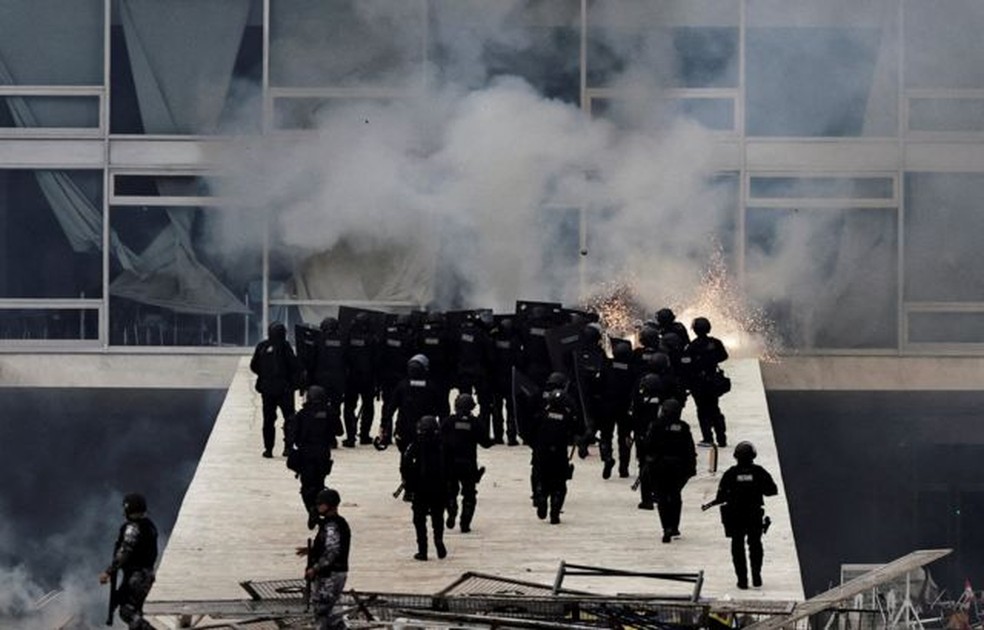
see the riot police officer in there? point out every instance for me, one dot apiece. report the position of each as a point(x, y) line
point(395, 349)
point(674, 461)
point(360, 386)
point(536, 354)
point(316, 425)
point(701, 360)
point(278, 374)
point(134, 554)
point(327, 561)
point(589, 364)
point(740, 495)
point(330, 369)
point(474, 363)
point(554, 429)
point(646, 399)
point(462, 433)
point(666, 323)
point(415, 396)
point(425, 474)
point(506, 354)
point(618, 383)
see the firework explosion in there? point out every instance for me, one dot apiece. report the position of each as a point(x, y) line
point(743, 329)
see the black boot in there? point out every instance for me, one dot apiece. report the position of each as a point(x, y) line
point(606, 472)
point(442, 551)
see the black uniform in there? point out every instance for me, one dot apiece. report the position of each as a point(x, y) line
point(316, 426)
point(645, 413)
point(360, 385)
point(589, 365)
point(134, 554)
point(330, 370)
point(432, 342)
point(424, 471)
point(673, 461)
point(462, 434)
point(536, 354)
point(554, 430)
point(278, 374)
point(413, 398)
point(741, 491)
point(395, 349)
point(619, 379)
point(700, 361)
point(474, 366)
point(506, 354)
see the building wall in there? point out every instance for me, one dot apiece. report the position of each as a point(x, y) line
point(847, 137)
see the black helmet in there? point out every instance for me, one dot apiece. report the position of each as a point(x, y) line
point(276, 331)
point(665, 316)
point(506, 325)
point(486, 318)
point(361, 321)
point(622, 352)
point(745, 452)
point(316, 394)
point(701, 325)
point(670, 410)
point(329, 325)
point(649, 384)
point(435, 317)
point(464, 404)
point(134, 503)
point(329, 497)
point(591, 334)
point(672, 342)
point(556, 380)
point(657, 362)
point(417, 366)
point(427, 425)
point(648, 337)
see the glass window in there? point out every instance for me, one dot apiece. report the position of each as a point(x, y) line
point(826, 277)
point(822, 187)
point(191, 283)
point(943, 44)
point(943, 226)
point(717, 114)
point(672, 43)
point(946, 114)
point(536, 40)
point(938, 327)
point(51, 42)
point(157, 87)
point(50, 234)
point(39, 324)
point(75, 112)
point(322, 43)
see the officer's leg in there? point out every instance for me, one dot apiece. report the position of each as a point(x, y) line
point(624, 446)
point(420, 510)
point(468, 502)
point(738, 556)
point(133, 592)
point(717, 419)
point(646, 489)
point(676, 501)
point(755, 554)
point(351, 400)
point(495, 412)
point(437, 523)
point(367, 410)
point(704, 417)
point(607, 430)
point(269, 423)
point(557, 495)
point(485, 403)
point(539, 491)
point(664, 505)
point(453, 501)
point(511, 430)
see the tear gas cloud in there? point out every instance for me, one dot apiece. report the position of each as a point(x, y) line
point(484, 181)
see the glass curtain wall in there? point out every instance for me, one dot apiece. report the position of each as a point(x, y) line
point(847, 138)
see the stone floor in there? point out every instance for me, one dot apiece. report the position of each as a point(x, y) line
point(242, 517)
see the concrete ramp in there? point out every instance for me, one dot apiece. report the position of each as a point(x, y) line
point(242, 517)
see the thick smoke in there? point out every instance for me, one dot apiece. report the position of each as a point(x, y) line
point(475, 176)
point(485, 175)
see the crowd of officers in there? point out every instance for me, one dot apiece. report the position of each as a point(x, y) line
point(543, 375)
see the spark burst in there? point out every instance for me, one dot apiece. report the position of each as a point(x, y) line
point(741, 327)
